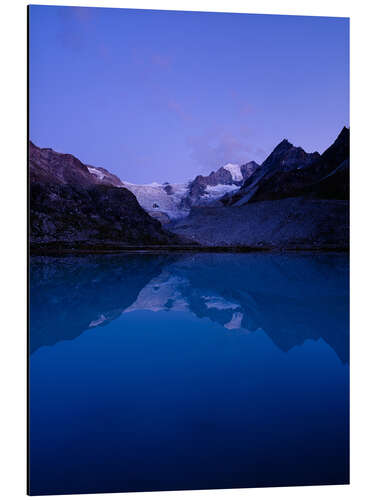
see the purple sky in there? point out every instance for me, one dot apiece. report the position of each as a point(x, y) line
point(164, 96)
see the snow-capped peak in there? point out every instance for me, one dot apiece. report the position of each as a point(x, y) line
point(235, 171)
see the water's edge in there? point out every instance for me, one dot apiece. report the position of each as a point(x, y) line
point(56, 249)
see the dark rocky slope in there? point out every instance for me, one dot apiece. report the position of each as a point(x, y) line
point(290, 224)
point(69, 206)
point(289, 172)
point(295, 200)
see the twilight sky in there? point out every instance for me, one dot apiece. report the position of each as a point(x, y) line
point(164, 96)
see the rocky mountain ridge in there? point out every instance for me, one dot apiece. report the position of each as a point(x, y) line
point(230, 175)
point(289, 172)
point(294, 200)
point(70, 206)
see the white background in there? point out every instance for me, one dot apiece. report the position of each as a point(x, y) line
point(13, 245)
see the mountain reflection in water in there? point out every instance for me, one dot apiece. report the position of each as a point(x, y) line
point(290, 297)
point(191, 371)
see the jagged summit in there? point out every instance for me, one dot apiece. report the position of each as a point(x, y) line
point(339, 150)
point(289, 171)
point(287, 156)
point(283, 145)
point(344, 132)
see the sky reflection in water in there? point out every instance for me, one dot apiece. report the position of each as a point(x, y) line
point(154, 372)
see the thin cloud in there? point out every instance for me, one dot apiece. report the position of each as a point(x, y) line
point(216, 148)
point(178, 110)
point(73, 24)
point(161, 60)
point(246, 109)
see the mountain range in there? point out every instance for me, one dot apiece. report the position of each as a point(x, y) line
point(167, 202)
point(293, 200)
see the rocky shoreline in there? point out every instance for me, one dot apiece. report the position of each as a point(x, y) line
point(55, 250)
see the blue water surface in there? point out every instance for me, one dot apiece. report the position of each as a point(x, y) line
point(191, 371)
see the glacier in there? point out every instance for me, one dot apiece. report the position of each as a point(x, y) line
point(164, 198)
